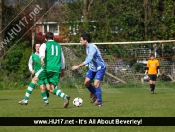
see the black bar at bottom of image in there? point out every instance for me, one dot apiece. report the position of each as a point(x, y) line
point(87, 121)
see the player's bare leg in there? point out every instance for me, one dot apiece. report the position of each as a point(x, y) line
point(47, 90)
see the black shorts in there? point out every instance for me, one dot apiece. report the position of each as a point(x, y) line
point(152, 77)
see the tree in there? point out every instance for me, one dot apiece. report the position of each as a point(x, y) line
point(106, 20)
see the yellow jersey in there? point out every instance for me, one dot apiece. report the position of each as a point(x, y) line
point(152, 65)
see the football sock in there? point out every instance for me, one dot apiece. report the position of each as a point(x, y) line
point(154, 86)
point(98, 93)
point(59, 93)
point(44, 96)
point(29, 91)
point(92, 90)
point(151, 87)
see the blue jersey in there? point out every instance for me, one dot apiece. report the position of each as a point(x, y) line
point(93, 58)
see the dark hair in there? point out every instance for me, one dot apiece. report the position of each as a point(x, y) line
point(34, 50)
point(49, 35)
point(86, 36)
point(152, 55)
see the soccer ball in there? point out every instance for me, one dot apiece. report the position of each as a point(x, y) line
point(146, 78)
point(77, 102)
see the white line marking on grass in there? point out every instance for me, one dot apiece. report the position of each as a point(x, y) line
point(110, 90)
point(80, 90)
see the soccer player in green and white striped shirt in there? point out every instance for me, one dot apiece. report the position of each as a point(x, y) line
point(52, 60)
point(34, 65)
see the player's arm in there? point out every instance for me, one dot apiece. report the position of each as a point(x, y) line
point(158, 69)
point(42, 50)
point(78, 66)
point(146, 69)
point(30, 65)
point(62, 63)
point(88, 59)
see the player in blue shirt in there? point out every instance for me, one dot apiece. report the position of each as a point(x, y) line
point(96, 65)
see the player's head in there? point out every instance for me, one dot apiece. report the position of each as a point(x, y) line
point(152, 56)
point(49, 35)
point(36, 47)
point(85, 38)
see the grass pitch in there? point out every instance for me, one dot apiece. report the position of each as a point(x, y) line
point(118, 101)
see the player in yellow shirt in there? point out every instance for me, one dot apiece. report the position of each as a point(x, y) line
point(152, 69)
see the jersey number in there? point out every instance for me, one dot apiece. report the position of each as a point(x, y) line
point(55, 48)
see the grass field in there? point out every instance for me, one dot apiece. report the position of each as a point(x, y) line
point(119, 101)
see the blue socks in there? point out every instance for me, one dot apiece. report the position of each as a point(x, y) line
point(92, 90)
point(99, 94)
point(96, 92)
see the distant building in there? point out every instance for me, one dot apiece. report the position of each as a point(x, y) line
point(47, 27)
